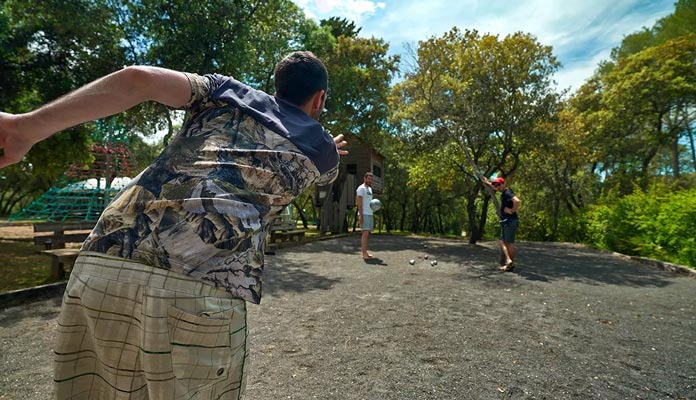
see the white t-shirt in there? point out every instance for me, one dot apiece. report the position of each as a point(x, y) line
point(366, 193)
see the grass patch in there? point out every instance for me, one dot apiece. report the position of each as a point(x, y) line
point(22, 267)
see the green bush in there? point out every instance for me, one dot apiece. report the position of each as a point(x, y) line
point(658, 224)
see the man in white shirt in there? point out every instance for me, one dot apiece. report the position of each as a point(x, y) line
point(365, 217)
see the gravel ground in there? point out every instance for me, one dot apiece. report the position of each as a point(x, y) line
point(570, 323)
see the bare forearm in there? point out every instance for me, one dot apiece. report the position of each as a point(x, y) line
point(106, 96)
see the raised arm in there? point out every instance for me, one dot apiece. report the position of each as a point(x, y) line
point(109, 95)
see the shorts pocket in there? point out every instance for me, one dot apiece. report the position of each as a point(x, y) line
point(201, 348)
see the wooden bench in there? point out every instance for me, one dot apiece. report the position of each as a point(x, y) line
point(60, 259)
point(294, 235)
point(284, 229)
point(57, 238)
point(59, 234)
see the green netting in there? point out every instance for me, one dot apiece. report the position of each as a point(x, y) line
point(84, 190)
point(71, 201)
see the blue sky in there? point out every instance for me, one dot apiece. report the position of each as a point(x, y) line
point(581, 32)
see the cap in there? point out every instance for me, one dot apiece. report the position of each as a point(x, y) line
point(499, 180)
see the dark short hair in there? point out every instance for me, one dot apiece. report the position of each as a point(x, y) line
point(367, 174)
point(298, 76)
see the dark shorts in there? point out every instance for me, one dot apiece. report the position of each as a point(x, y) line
point(508, 230)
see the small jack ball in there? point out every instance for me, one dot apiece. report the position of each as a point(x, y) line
point(411, 262)
point(425, 256)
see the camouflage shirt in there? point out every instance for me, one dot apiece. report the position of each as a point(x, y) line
point(205, 206)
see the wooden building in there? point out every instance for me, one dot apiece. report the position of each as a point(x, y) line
point(336, 199)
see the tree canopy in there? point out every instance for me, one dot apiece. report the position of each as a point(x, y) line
point(484, 95)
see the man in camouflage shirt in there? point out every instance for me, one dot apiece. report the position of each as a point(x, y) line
point(156, 304)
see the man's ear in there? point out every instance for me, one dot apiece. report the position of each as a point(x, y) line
point(318, 100)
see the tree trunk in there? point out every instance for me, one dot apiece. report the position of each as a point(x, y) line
point(471, 215)
point(675, 157)
point(691, 140)
point(484, 216)
point(556, 211)
point(302, 214)
point(402, 220)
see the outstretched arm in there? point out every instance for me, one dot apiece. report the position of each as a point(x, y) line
point(105, 96)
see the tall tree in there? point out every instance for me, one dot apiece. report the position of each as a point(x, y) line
point(646, 104)
point(681, 23)
point(49, 48)
point(341, 27)
point(556, 176)
point(240, 38)
point(360, 74)
point(482, 93)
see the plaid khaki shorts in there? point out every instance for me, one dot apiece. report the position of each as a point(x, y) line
point(131, 331)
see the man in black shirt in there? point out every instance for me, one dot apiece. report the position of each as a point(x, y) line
point(509, 203)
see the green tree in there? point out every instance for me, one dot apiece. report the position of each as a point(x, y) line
point(49, 48)
point(482, 93)
point(340, 27)
point(681, 22)
point(243, 39)
point(645, 105)
point(555, 177)
point(360, 74)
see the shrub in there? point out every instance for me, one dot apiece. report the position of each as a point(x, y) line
point(658, 223)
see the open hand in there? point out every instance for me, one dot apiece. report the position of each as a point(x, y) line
point(340, 143)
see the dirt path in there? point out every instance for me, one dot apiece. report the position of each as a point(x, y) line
point(570, 323)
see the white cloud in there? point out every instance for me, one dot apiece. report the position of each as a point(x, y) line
point(582, 33)
point(354, 10)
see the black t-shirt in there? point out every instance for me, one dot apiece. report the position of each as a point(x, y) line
point(506, 202)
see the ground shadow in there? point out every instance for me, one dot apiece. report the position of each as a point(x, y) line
point(536, 261)
point(586, 265)
point(375, 261)
point(281, 275)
